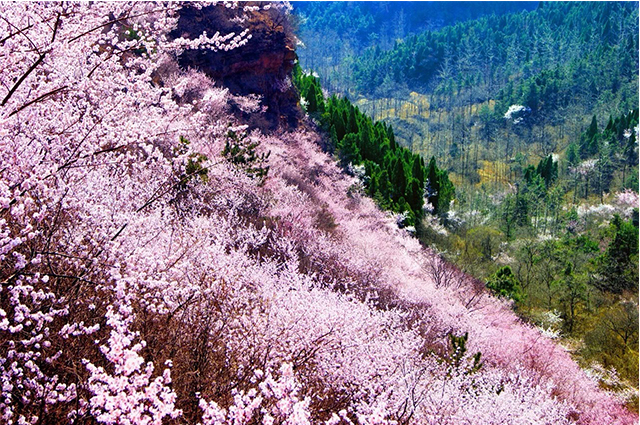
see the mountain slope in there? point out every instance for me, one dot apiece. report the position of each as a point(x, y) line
point(154, 270)
point(533, 115)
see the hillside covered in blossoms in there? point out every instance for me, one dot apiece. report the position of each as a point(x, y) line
point(179, 246)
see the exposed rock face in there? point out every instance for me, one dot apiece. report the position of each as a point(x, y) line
point(262, 66)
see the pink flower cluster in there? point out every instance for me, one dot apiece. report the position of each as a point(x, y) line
point(276, 402)
point(129, 396)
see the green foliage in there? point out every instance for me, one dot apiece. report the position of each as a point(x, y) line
point(613, 340)
point(309, 89)
point(589, 141)
point(516, 212)
point(241, 151)
point(619, 263)
point(553, 60)
point(458, 356)
point(440, 190)
point(546, 81)
point(573, 154)
point(194, 167)
point(573, 290)
point(348, 151)
point(505, 284)
point(481, 243)
point(395, 177)
point(129, 34)
point(548, 170)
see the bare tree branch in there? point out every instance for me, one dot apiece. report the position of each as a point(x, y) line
point(24, 76)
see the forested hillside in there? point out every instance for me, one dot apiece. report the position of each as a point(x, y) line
point(334, 30)
point(447, 91)
point(188, 236)
point(533, 117)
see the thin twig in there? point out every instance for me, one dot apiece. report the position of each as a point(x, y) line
point(55, 28)
point(70, 160)
point(113, 22)
point(21, 31)
point(113, 53)
point(119, 231)
point(156, 195)
point(38, 99)
point(107, 150)
point(15, 33)
point(24, 76)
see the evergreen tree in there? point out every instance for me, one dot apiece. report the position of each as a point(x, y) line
point(366, 138)
point(521, 211)
point(348, 151)
point(415, 196)
point(399, 179)
point(440, 190)
point(311, 96)
point(504, 283)
point(385, 185)
point(548, 170)
point(392, 139)
point(338, 123)
point(573, 154)
point(352, 122)
point(619, 264)
point(417, 170)
point(605, 171)
point(630, 159)
point(433, 184)
point(574, 291)
point(589, 140)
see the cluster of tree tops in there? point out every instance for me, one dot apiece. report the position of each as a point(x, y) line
point(614, 148)
point(536, 207)
point(574, 265)
point(334, 31)
point(553, 258)
point(374, 23)
point(394, 176)
point(558, 54)
point(588, 276)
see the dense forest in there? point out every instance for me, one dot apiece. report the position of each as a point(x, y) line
point(533, 118)
point(333, 31)
point(394, 176)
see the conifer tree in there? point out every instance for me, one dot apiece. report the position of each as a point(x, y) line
point(618, 265)
point(589, 140)
point(573, 154)
point(311, 96)
point(548, 170)
point(348, 151)
point(399, 179)
point(417, 170)
point(440, 190)
point(504, 283)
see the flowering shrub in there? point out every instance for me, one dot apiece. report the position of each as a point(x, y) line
point(128, 396)
point(277, 401)
point(516, 113)
point(627, 201)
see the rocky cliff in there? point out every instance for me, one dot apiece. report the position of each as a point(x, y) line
point(261, 67)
